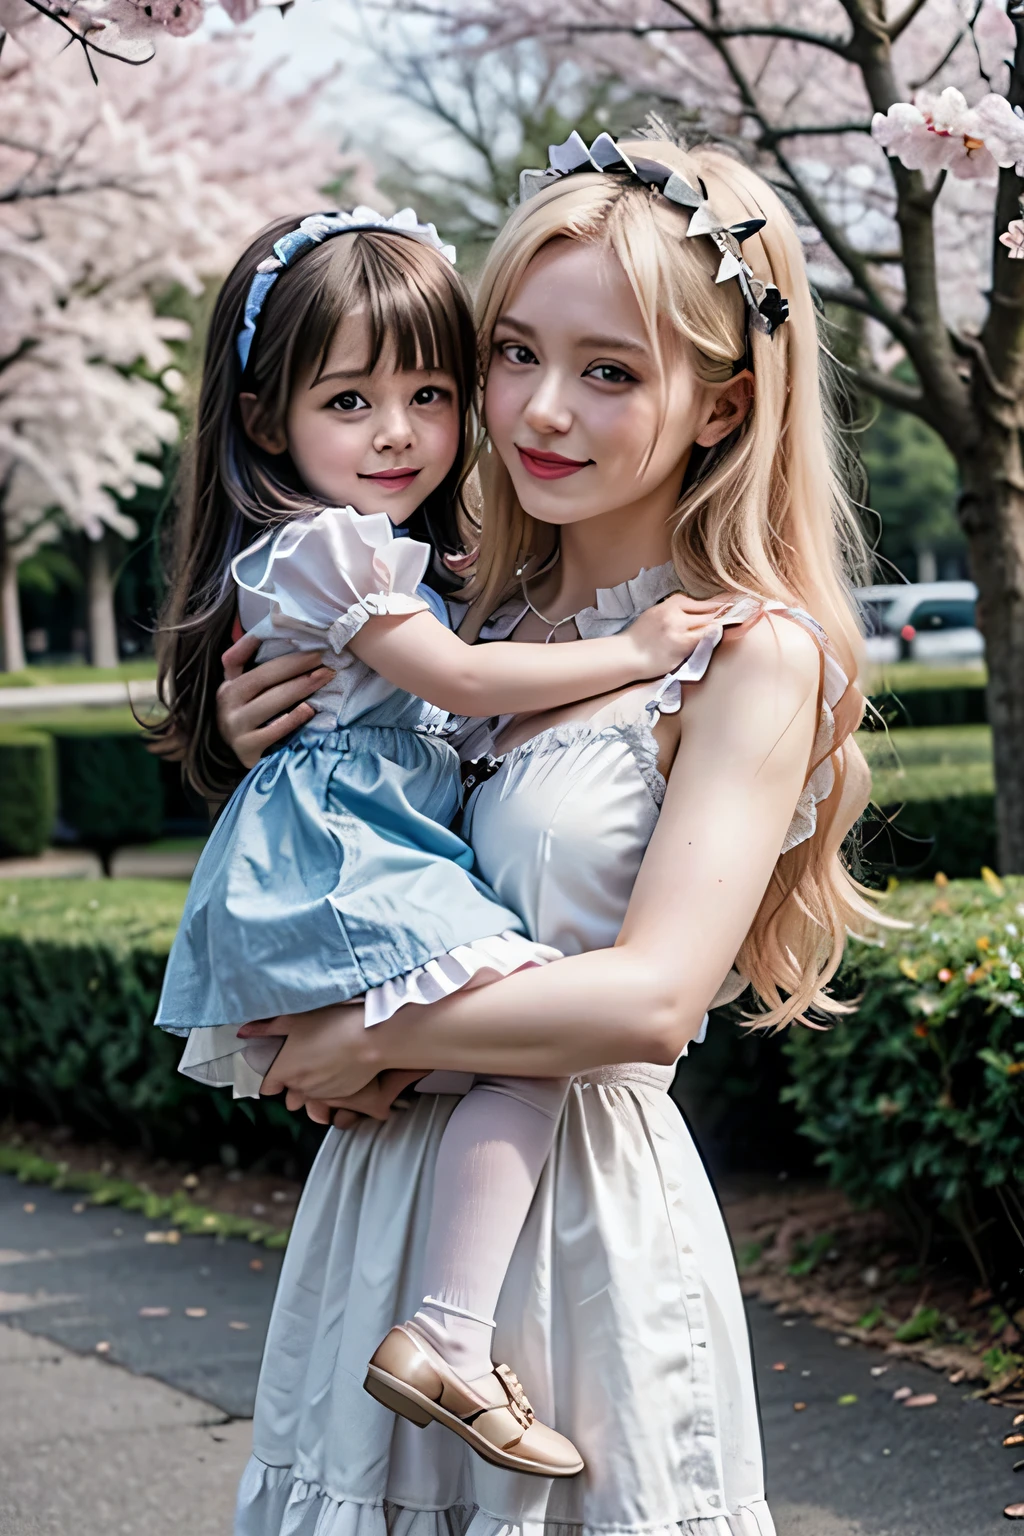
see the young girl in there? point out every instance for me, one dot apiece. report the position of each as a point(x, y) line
point(340, 374)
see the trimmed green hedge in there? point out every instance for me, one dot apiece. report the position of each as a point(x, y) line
point(936, 793)
point(28, 792)
point(916, 1100)
point(81, 964)
point(111, 791)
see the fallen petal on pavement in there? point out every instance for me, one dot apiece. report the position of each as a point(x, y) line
point(922, 1400)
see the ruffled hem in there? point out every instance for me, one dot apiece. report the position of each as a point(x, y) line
point(214, 1055)
point(468, 965)
point(372, 606)
point(272, 1501)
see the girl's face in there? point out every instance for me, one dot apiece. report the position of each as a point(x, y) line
point(380, 441)
point(575, 403)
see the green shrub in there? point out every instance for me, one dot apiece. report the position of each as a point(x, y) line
point(28, 792)
point(81, 964)
point(933, 706)
point(916, 1099)
point(110, 787)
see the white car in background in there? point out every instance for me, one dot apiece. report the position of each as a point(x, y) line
point(927, 621)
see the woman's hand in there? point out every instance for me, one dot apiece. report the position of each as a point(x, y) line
point(324, 1056)
point(257, 709)
point(374, 1102)
point(664, 636)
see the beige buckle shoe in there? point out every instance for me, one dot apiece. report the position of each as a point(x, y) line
point(492, 1414)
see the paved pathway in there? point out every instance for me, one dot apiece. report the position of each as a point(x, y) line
point(94, 1437)
point(44, 697)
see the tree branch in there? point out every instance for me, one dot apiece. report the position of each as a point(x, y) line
point(837, 45)
point(772, 136)
point(900, 23)
point(902, 397)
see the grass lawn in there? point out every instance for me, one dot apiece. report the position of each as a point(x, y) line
point(84, 911)
point(116, 719)
point(910, 676)
point(929, 762)
point(78, 672)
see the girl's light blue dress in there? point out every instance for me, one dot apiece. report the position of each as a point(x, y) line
point(332, 871)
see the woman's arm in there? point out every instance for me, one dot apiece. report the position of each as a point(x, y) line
point(740, 767)
point(416, 652)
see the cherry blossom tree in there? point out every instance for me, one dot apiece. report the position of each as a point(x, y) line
point(893, 129)
point(111, 195)
point(128, 30)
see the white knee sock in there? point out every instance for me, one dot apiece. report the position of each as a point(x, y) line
point(489, 1162)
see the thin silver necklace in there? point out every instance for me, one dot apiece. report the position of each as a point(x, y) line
point(552, 624)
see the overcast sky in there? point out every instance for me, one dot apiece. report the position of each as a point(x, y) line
point(315, 34)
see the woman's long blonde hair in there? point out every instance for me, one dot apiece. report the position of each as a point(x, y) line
point(767, 517)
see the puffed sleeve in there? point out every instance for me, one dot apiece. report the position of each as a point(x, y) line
point(316, 580)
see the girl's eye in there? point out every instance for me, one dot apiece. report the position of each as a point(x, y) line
point(430, 394)
point(516, 352)
point(348, 401)
point(609, 373)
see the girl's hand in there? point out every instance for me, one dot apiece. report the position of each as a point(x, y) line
point(664, 636)
point(324, 1056)
point(257, 709)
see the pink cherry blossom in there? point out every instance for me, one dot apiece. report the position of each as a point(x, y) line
point(1002, 128)
point(936, 133)
point(1013, 238)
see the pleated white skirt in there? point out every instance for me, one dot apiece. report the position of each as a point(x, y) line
point(621, 1314)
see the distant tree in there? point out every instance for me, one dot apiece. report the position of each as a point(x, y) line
point(912, 488)
point(485, 125)
point(109, 196)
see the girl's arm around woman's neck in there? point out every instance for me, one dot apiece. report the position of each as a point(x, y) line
point(742, 761)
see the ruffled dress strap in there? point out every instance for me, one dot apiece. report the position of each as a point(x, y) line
point(838, 703)
point(315, 581)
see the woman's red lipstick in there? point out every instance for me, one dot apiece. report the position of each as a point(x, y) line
point(550, 466)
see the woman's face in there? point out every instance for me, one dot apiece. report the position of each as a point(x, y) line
point(574, 401)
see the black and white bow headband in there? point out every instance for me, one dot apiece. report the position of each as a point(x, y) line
point(766, 307)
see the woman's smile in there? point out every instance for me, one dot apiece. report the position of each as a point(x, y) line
point(550, 466)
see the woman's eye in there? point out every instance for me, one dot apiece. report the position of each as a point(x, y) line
point(609, 373)
point(349, 401)
point(516, 352)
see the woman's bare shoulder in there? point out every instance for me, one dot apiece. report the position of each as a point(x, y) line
point(756, 684)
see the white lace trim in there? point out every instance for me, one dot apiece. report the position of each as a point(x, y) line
point(468, 965)
point(371, 606)
point(275, 1500)
point(214, 1055)
point(618, 606)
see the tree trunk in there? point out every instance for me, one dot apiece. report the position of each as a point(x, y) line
point(992, 514)
point(102, 625)
point(10, 609)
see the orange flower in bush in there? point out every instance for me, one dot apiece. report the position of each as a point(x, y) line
point(945, 974)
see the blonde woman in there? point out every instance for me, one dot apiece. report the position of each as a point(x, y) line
point(650, 429)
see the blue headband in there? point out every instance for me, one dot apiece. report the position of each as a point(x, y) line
point(314, 230)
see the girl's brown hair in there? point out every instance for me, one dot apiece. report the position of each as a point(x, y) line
point(419, 318)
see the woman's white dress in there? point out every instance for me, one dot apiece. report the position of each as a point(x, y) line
point(621, 1312)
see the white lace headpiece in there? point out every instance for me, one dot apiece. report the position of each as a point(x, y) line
point(314, 230)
